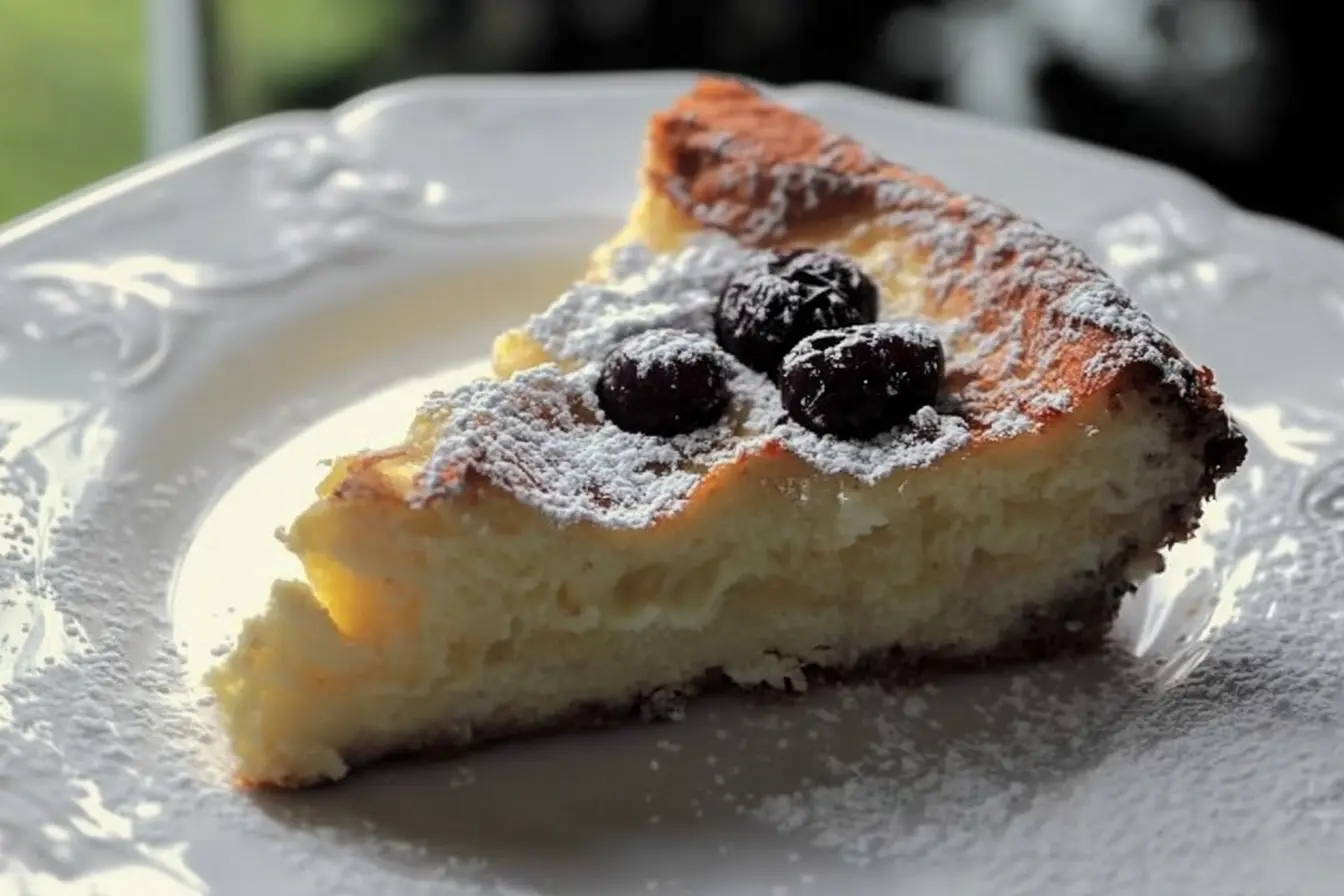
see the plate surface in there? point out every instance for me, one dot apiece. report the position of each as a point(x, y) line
point(178, 348)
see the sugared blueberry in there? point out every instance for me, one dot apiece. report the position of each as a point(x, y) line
point(770, 305)
point(664, 382)
point(858, 382)
point(818, 267)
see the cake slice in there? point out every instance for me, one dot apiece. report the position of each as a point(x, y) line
point(809, 416)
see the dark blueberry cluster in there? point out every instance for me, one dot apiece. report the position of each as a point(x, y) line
point(664, 382)
point(769, 307)
point(858, 382)
point(807, 319)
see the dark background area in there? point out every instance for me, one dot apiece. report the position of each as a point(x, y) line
point(1233, 91)
point(1236, 92)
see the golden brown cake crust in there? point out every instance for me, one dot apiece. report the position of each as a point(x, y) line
point(711, 148)
point(733, 160)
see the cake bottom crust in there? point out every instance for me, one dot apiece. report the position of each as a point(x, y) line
point(1075, 625)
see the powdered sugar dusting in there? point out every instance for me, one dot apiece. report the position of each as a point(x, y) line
point(1029, 301)
point(542, 434)
point(647, 290)
point(543, 437)
point(652, 348)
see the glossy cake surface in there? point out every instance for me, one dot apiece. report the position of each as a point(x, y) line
point(521, 563)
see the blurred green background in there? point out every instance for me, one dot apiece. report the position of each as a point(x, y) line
point(72, 74)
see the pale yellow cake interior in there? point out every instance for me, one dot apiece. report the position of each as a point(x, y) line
point(421, 626)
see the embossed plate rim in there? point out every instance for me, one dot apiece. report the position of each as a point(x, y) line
point(242, 135)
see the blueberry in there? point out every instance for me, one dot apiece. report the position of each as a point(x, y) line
point(817, 267)
point(664, 382)
point(771, 304)
point(858, 382)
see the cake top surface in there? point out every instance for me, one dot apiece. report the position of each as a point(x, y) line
point(1030, 325)
point(543, 435)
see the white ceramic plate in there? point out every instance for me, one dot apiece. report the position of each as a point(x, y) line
point(183, 343)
